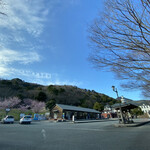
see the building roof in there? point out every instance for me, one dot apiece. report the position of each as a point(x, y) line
point(143, 103)
point(74, 108)
point(129, 105)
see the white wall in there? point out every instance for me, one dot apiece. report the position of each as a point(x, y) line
point(145, 108)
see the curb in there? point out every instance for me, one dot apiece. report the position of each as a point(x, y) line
point(91, 121)
point(142, 123)
point(86, 121)
point(132, 125)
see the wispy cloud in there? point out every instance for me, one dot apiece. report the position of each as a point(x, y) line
point(24, 23)
point(36, 77)
point(27, 15)
point(4, 71)
point(24, 20)
point(66, 82)
point(55, 80)
point(8, 56)
point(32, 76)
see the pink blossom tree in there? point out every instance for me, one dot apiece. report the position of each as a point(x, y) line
point(37, 106)
point(11, 102)
point(26, 104)
point(34, 105)
point(23, 108)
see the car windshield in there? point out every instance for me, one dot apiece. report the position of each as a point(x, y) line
point(10, 117)
point(27, 116)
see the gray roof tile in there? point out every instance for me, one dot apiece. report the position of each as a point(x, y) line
point(74, 108)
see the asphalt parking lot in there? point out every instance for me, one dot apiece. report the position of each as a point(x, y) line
point(68, 136)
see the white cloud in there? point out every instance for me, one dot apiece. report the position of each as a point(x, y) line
point(19, 29)
point(31, 74)
point(24, 21)
point(8, 56)
point(54, 81)
point(27, 15)
point(35, 77)
point(66, 82)
point(4, 71)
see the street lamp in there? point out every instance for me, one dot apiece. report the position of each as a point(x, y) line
point(115, 90)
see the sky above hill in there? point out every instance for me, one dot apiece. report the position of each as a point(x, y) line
point(46, 42)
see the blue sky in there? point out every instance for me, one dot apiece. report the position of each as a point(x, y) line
point(46, 42)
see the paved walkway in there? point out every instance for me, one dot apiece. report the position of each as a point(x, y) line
point(137, 122)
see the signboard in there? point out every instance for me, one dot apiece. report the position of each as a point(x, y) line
point(7, 109)
point(36, 116)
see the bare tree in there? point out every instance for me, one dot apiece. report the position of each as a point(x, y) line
point(120, 38)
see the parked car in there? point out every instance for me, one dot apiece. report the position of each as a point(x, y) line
point(26, 119)
point(8, 119)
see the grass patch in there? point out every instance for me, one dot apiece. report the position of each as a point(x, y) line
point(15, 112)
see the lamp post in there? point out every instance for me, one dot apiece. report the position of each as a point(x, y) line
point(115, 90)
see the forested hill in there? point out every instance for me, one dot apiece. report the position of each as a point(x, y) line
point(65, 94)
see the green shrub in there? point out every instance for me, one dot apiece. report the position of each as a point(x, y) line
point(15, 113)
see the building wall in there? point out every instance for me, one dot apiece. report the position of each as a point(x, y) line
point(145, 108)
point(109, 115)
point(53, 112)
point(59, 113)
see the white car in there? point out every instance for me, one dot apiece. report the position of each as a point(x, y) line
point(8, 119)
point(26, 119)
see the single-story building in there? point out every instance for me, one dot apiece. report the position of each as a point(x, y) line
point(61, 111)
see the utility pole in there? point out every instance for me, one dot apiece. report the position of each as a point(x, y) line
point(115, 90)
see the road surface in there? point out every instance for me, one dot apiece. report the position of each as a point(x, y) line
point(68, 136)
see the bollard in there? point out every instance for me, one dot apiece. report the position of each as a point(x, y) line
point(73, 119)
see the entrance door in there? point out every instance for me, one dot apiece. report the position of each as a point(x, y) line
point(55, 115)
